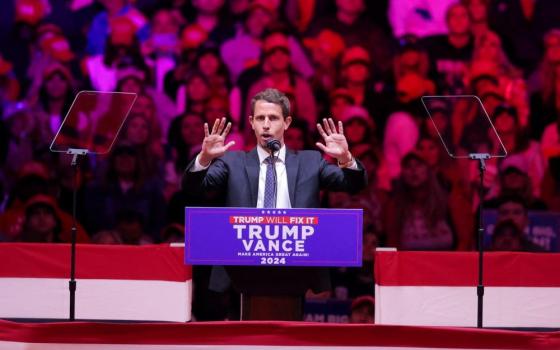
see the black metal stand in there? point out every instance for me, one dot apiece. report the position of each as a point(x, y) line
point(481, 157)
point(76, 153)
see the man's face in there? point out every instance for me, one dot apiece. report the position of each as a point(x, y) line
point(352, 7)
point(278, 60)
point(357, 72)
point(268, 123)
point(515, 212)
point(458, 20)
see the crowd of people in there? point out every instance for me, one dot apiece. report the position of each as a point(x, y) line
point(364, 63)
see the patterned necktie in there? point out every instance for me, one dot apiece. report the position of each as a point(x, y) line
point(270, 185)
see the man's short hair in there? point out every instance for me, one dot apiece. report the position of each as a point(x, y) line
point(273, 96)
point(513, 198)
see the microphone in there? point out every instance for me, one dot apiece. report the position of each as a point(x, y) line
point(273, 145)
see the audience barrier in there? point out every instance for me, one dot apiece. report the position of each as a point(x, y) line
point(522, 290)
point(115, 282)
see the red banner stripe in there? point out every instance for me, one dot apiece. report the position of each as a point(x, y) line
point(150, 262)
point(501, 269)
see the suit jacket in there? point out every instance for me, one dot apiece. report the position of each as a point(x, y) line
point(235, 176)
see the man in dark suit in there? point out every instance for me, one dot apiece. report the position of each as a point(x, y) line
point(245, 180)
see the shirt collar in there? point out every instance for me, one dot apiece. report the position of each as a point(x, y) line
point(263, 154)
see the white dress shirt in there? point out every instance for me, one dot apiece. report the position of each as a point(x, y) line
point(282, 192)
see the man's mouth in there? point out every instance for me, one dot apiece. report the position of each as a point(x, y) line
point(266, 136)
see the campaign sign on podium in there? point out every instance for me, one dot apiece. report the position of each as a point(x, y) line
point(290, 237)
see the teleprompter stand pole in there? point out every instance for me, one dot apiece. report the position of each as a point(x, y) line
point(76, 153)
point(481, 157)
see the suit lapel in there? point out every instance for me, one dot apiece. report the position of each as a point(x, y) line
point(252, 167)
point(292, 166)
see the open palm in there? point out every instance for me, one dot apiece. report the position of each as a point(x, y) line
point(335, 144)
point(213, 145)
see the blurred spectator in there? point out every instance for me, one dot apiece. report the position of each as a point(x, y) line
point(551, 185)
point(129, 229)
point(359, 127)
point(197, 92)
point(357, 78)
point(363, 310)
point(339, 100)
point(137, 132)
point(217, 107)
point(209, 15)
point(521, 25)
point(279, 73)
point(449, 54)
point(478, 13)
point(244, 49)
point(550, 141)
point(515, 182)
point(545, 101)
point(41, 222)
point(56, 95)
point(124, 188)
point(402, 129)
point(209, 63)
point(162, 46)
point(297, 137)
point(411, 58)
point(18, 43)
point(9, 86)
point(507, 236)
point(185, 137)
point(38, 219)
point(421, 18)
point(490, 60)
point(24, 140)
point(121, 20)
point(325, 49)
point(522, 152)
point(375, 197)
point(121, 51)
point(513, 208)
point(192, 37)
point(418, 215)
point(451, 178)
point(357, 29)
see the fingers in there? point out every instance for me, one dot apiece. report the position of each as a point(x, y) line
point(327, 126)
point(206, 132)
point(216, 125)
point(321, 146)
point(332, 126)
point(227, 129)
point(340, 128)
point(229, 144)
point(221, 126)
point(321, 131)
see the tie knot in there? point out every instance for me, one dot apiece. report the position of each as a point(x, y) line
point(268, 160)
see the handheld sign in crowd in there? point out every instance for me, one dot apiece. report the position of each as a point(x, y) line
point(291, 237)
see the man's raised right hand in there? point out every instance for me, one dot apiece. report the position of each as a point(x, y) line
point(213, 144)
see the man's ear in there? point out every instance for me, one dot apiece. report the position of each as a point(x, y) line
point(287, 122)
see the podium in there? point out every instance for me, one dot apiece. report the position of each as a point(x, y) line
point(273, 256)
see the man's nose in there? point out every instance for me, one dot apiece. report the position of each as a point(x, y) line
point(266, 124)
